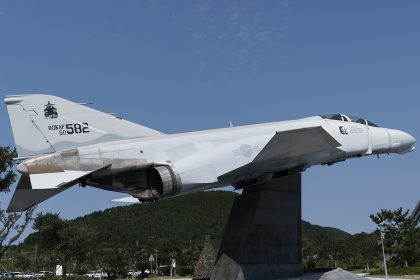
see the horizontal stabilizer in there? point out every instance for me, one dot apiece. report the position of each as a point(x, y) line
point(26, 197)
point(58, 178)
point(128, 199)
point(37, 187)
point(55, 179)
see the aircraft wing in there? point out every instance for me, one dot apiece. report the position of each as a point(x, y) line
point(296, 143)
point(292, 148)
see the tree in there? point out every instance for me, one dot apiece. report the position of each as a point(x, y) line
point(76, 242)
point(23, 262)
point(49, 226)
point(402, 236)
point(360, 251)
point(6, 164)
point(113, 261)
point(12, 225)
point(67, 241)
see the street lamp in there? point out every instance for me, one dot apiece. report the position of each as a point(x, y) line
point(156, 260)
point(383, 249)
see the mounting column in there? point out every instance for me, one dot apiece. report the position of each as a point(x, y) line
point(262, 239)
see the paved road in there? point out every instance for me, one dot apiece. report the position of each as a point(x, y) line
point(393, 278)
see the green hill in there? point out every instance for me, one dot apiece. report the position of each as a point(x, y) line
point(175, 227)
point(176, 220)
point(314, 231)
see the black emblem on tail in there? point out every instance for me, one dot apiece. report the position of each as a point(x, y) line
point(50, 112)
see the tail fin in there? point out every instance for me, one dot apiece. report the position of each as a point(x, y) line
point(44, 124)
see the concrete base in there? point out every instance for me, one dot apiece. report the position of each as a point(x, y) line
point(262, 239)
point(336, 274)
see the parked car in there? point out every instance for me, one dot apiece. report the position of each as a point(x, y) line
point(44, 273)
point(17, 274)
point(90, 274)
point(28, 275)
point(135, 273)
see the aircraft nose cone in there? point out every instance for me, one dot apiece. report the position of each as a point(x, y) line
point(410, 139)
point(406, 139)
point(401, 141)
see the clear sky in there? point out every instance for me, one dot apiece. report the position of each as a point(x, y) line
point(181, 66)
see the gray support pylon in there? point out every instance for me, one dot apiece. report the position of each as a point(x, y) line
point(262, 239)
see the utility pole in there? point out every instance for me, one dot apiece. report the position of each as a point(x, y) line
point(156, 262)
point(36, 259)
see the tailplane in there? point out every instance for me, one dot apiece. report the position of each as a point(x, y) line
point(25, 197)
point(46, 124)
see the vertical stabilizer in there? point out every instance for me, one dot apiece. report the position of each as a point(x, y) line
point(45, 124)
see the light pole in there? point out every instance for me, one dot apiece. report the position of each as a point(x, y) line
point(383, 249)
point(156, 259)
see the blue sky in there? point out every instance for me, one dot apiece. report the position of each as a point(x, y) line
point(181, 66)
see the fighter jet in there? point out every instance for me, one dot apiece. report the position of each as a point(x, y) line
point(61, 144)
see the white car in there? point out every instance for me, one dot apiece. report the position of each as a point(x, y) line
point(18, 274)
point(90, 274)
point(135, 273)
point(28, 275)
point(99, 275)
point(44, 273)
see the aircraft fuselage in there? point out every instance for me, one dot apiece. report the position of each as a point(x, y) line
point(216, 158)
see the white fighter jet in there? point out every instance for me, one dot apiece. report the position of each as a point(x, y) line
point(61, 144)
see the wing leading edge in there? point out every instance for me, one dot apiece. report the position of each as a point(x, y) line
point(291, 147)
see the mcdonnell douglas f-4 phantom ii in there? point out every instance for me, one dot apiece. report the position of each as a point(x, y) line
point(61, 144)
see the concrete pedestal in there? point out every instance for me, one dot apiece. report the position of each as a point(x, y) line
point(262, 239)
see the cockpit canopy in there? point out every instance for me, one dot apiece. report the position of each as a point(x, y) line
point(345, 118)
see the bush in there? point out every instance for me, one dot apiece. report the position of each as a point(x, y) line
point(415, 270)
point(184, 270)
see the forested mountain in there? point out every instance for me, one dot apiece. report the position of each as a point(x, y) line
point(179, 220)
